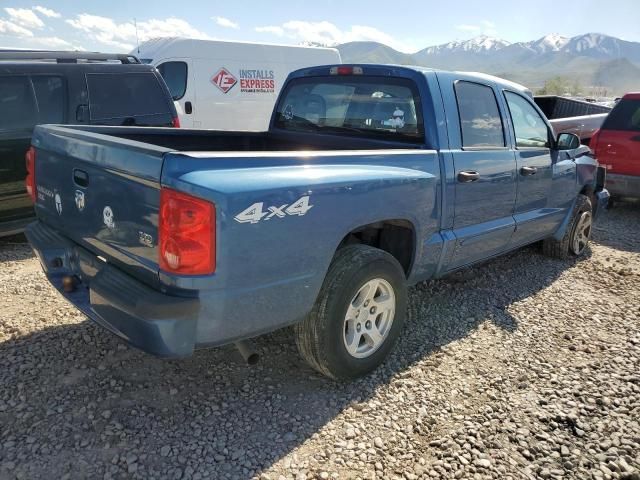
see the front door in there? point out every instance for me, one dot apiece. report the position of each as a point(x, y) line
point(535, 218)
point(485, 176)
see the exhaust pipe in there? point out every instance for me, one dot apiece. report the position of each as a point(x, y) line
point(248, 353)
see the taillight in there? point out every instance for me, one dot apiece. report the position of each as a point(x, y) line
point(593, 143)
point(30, 181)
point(175, 123)
point(187, 234)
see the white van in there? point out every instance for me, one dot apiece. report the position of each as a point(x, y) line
point(227, 85)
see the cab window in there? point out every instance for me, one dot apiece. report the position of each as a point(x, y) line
point(531, 130)
point(175, 76)
point(625, 116)
point(369, 107)
point(17, 104)
point(480, 121)
point(50, 93)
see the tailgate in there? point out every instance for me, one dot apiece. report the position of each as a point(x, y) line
point(102, 192)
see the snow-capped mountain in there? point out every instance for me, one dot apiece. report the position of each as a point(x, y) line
point(549, 43)
point(593, 45)
point(591, 59)
point(482, 43)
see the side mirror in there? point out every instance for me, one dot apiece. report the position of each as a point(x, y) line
point(567, 141)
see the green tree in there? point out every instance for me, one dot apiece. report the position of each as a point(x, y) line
point(560, 86)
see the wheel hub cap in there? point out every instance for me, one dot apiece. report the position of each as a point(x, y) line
point(583, 233)
point(366, 328)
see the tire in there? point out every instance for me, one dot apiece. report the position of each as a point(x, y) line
point(576, 238)
point(338, 338)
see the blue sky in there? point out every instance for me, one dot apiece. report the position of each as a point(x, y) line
point(407, 25)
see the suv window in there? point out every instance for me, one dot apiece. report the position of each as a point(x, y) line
point(50, 94)
point(175, 76)
point(530, 129)
point(480, 121)
point(625, 116)
point(370, 107)
point(16, 103)
point(125, 95)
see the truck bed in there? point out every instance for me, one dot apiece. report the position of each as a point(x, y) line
point(99, 207)
point(185, 140)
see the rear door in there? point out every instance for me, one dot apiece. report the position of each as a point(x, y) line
point(128, 99)
point(618, 144)
point(178, 75)
point(485, 170)
point(18, 115)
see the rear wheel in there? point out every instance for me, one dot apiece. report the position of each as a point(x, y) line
point(577, 237)
point(358, 315)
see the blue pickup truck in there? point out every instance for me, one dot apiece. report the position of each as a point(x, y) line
point(369, 179)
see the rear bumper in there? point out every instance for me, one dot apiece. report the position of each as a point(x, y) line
point(159, 324)
point(623, 185)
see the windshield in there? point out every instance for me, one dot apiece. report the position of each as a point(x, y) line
point(383, 108)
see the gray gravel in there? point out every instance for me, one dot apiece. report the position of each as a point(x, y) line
point(524, 367)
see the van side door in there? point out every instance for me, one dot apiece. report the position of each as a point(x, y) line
point(178, 74)
point(485, 170)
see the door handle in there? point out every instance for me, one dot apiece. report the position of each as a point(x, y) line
point(528, 171)
point(636, 138)
point(188, 108)
point(468, 176)
point(81, 178)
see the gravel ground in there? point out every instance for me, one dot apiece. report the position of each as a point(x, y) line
point(524, 367)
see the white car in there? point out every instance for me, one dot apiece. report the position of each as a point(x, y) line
point(227, 85)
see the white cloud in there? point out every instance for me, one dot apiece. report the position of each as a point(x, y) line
point(47, 12)
point(273, 29)
point(123, 35)
point(326, 33)
point(24, 17)
point(10, 28)
point(225, 22)
point(55, 43)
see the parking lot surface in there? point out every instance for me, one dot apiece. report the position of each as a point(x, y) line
point(524, 367)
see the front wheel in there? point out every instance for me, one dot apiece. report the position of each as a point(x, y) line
point(358, 315)
point(578, 234)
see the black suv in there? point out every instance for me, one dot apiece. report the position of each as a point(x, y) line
point(68, 88)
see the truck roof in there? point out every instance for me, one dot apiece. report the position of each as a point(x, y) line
point(191, 47)
point(414, 68)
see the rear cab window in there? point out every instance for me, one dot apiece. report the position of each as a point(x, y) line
point(383, 108)
point(127, 99)
point(625, 116)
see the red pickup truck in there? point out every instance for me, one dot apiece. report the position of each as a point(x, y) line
point(617, 146)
